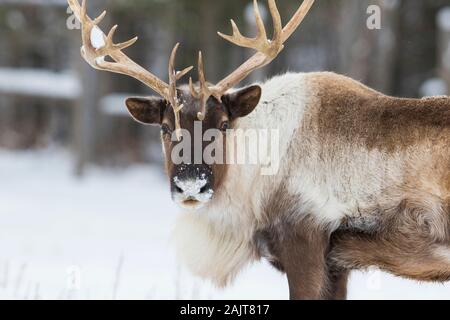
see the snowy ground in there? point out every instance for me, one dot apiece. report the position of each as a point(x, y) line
point(107, 236)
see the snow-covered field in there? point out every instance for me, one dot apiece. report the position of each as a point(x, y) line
point(108, 236)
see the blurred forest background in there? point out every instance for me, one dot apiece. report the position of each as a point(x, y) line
point(50, 97)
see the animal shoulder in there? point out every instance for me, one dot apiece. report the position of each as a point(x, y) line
point(346, 109)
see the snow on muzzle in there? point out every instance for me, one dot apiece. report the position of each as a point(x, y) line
point(192, 185)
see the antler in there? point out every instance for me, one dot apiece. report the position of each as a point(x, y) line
point(174, 76)
point(267, 49)
point(260, 43)
point(95, 54)
point(204, 91)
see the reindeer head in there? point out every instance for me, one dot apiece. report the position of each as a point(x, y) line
point(194, 179)
point(186, 112)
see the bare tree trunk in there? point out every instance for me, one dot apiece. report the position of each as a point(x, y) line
point(85, 118)
point(384, 57)
point(354, 40)
point(444, 45)
point(369, 54)
point(86, 113)
point(208, 36)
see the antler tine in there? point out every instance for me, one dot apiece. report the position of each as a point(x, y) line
point(297, 19)
point(173, 97)
point(259, 21)
point(174, 76)
point(194, 92)
point(205, 91)
point(111, 46)
point(100, 18)
point(277, 40)
point(201, 70)
point(181, 74)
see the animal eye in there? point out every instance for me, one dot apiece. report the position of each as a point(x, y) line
point(165, 130)
point(224, 126)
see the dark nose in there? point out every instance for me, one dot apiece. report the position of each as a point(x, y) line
point(192, 180)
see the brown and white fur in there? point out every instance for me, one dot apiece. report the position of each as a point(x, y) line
point(364, 180)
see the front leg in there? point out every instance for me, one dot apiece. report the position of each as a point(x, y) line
point(302, 253)
point(337, 284)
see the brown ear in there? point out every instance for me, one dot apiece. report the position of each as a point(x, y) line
point(146, 110)
point(241, 103)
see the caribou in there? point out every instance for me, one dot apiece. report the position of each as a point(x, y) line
point(363, 180)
